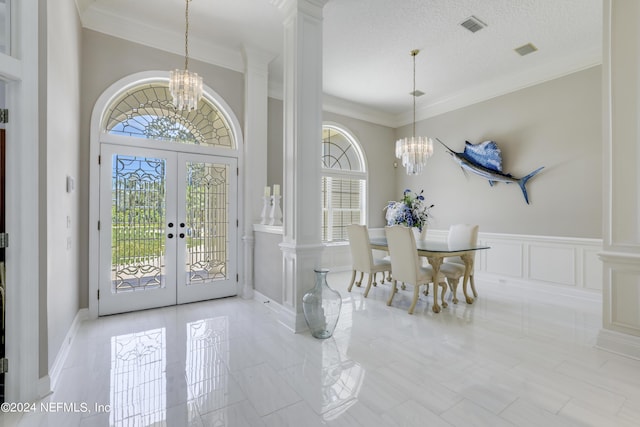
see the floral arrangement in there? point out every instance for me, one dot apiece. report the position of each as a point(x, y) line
point(411, 211)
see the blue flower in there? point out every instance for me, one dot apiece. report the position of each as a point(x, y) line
point(411, 211)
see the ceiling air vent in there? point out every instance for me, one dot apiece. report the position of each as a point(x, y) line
point(526, 49)
point(416, 93)
point(473, 24)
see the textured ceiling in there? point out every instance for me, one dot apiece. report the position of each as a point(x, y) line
point(367, 43)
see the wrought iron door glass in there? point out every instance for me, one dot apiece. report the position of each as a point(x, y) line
point(138, 223)
point(207, 209)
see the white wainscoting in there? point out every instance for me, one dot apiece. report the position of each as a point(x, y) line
point(570, 263)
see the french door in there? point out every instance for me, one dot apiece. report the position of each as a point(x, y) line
point(168, 228)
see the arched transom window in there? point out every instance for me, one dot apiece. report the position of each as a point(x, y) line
point(146, 111)
point(344, 182)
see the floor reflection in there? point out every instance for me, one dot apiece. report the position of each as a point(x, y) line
point(341, 379)
point(207, 353)
point(138, 378)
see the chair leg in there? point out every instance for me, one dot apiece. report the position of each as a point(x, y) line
point(359, 282)
point(353, 279)
point(375, 275)
point(436, 306)
point(453, 284)
point(394, 289)
point(416, 294)
point(473, 286)
point(366, 291)
point(444, 292)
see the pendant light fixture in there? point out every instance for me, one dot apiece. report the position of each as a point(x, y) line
point(185, 86)
point(414, 151)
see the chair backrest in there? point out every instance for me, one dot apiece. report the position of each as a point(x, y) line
point(361, 255)
point(404, 257)
point(462, 235)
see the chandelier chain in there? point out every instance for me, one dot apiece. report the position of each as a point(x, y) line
point(186, 36)
point(415, 150)
point(414, 53)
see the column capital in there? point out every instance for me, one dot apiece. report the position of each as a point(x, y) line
point(256, 59)
point(311, 7)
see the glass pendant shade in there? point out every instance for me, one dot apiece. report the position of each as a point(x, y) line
point(186, 89)
point(185, 86)
point(414, 152)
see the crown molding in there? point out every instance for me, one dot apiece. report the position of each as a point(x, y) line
point(502, 85)
point(83, 5)
point(333, 104)
point(354, 110)
point(96, 19)
point(170, 41)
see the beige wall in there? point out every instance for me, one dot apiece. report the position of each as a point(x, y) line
point(556, 124)
point(105, 60)
point(275, 141)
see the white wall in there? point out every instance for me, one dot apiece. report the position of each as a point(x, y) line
point(621, 248)
point(62, 159)
point(555, 124)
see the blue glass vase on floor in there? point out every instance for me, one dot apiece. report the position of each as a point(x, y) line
point(321, 306)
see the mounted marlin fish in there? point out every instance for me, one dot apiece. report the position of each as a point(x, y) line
point(485, 160)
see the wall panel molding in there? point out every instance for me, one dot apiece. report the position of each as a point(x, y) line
point(567, 262)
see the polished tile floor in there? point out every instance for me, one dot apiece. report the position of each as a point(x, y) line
point(516, 357)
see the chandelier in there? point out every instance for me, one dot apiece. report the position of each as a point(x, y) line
point(185, 86)
point(414, 151)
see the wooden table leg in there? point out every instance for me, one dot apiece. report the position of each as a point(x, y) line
point(468, 268)
point(436, 262)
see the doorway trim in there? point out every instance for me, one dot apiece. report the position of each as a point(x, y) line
point(99, 109)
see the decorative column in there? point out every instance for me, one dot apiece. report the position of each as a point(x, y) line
point(301, 246)
point(256, 80)
point(621, 231)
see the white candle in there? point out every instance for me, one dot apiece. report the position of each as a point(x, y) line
point(276, 189)
point(267, 191)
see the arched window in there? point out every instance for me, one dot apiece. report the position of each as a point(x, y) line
point(146, 111)
point(344, 183)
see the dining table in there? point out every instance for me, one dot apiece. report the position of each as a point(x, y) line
point(436, 252)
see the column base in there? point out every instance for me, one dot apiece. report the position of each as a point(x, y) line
point(299, 263)
point(619, 343)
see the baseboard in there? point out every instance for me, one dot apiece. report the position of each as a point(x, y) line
point(267, 302)
point(63, 353)
point(288, 319)
point(44, 386)
point(619, 343)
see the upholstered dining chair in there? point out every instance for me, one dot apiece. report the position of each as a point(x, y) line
point(406, 268)
point(453, 267)
point(362, 257)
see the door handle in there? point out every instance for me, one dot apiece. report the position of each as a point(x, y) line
point(170, 235)
point(170, 225)
point(182, 235)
